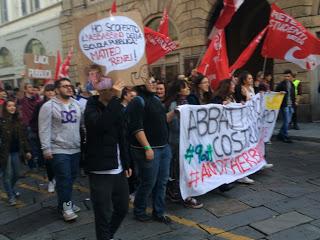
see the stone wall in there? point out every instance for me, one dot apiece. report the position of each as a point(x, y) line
point(306, 12)
point(189, 18)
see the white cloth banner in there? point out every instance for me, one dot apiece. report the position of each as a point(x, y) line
point(222, 143)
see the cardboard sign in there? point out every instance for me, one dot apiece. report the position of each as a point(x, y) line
point(117, 43)
point(222, 143)
point(39, 67)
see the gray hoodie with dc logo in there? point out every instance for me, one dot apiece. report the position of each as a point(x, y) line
point(59, 127)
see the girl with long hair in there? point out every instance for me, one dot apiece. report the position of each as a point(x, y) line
point(13, 145)
point(200, 91)
point(178, 93)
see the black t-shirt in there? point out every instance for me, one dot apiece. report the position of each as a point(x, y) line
point(146, 113)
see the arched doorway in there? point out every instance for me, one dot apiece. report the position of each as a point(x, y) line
point(5, 58)
point(248, 21)
point(34, 46)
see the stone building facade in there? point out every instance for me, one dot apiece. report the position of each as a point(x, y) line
point(190, 23)
point(31, 27)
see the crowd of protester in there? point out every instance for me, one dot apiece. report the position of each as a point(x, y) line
point(115, 133)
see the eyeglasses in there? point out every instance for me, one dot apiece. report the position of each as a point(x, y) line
point(66, 86)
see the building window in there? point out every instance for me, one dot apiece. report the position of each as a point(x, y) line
point(24, 7)
point(36, 4)
point(154, 24)
point(5, 58)
point(4, 11)
point(34, 46)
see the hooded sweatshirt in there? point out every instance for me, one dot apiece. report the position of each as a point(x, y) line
point(59, 127)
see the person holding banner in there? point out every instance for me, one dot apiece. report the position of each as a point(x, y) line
point(244, 91)
point(177, 95)
point(107, 159)
point(288, 104)
point(201, 91)
point(224, 93)
point(149, 149)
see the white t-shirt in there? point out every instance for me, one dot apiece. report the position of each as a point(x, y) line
point(112, 171)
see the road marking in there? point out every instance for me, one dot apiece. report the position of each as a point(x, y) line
point(35, 189)
point(180, 220)
point(44, 179)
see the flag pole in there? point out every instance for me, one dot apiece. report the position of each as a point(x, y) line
point(264, 65)
point(201, 55)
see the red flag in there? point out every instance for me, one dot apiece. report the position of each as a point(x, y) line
point(164, 24)
point(215, 63)
point(58, 63)
point(289, 40)
point(113, 7)
point(229, 9)
point(64, 70)
point(247, 53)
point(157, 45)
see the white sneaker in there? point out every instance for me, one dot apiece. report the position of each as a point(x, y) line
point(268, 165)
point(75, 208)
point(67, 212)
point(132, 197)
point(51, 186)
point(246, 180)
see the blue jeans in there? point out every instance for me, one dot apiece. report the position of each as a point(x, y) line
point(153, 175)
point(286, 116)
point(66, 169)
point(11, 174)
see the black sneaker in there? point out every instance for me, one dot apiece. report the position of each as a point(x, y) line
point(163, 219)
point(226, 187)
point(287, 140)
point(296, 127)
point(143, 218)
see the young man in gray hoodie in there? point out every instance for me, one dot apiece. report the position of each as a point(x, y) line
point(59, 132)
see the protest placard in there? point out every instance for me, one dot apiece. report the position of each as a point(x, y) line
point(117, 43)
point(39, 67)
point(222, 143)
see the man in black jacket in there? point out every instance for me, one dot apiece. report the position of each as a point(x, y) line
point(288, 104)
point(107, 160)
point(147, 125)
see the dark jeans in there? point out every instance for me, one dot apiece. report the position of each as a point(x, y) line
point(11, 174)
point(49, 169)
point(66, 169)
point(286, 118)
point(294, 119)
point(153, 176)
point(110, 199)
point(37, 157)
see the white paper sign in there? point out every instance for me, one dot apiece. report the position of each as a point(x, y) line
point(116, 42)
point(222, 143)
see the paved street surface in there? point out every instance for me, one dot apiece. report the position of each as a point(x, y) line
point(284, 203)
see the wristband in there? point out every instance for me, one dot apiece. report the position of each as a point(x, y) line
point(147, 148)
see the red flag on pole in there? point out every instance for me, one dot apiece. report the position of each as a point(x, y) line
point(289, 40)
point(58, 63)
point(64, 70)
point(164, 24)
point(113, 7)
point(215, 63)
point(229, 9)
point(157, 45)
point(247, 53)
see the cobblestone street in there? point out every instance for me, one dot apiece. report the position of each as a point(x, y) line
point(282, 204)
